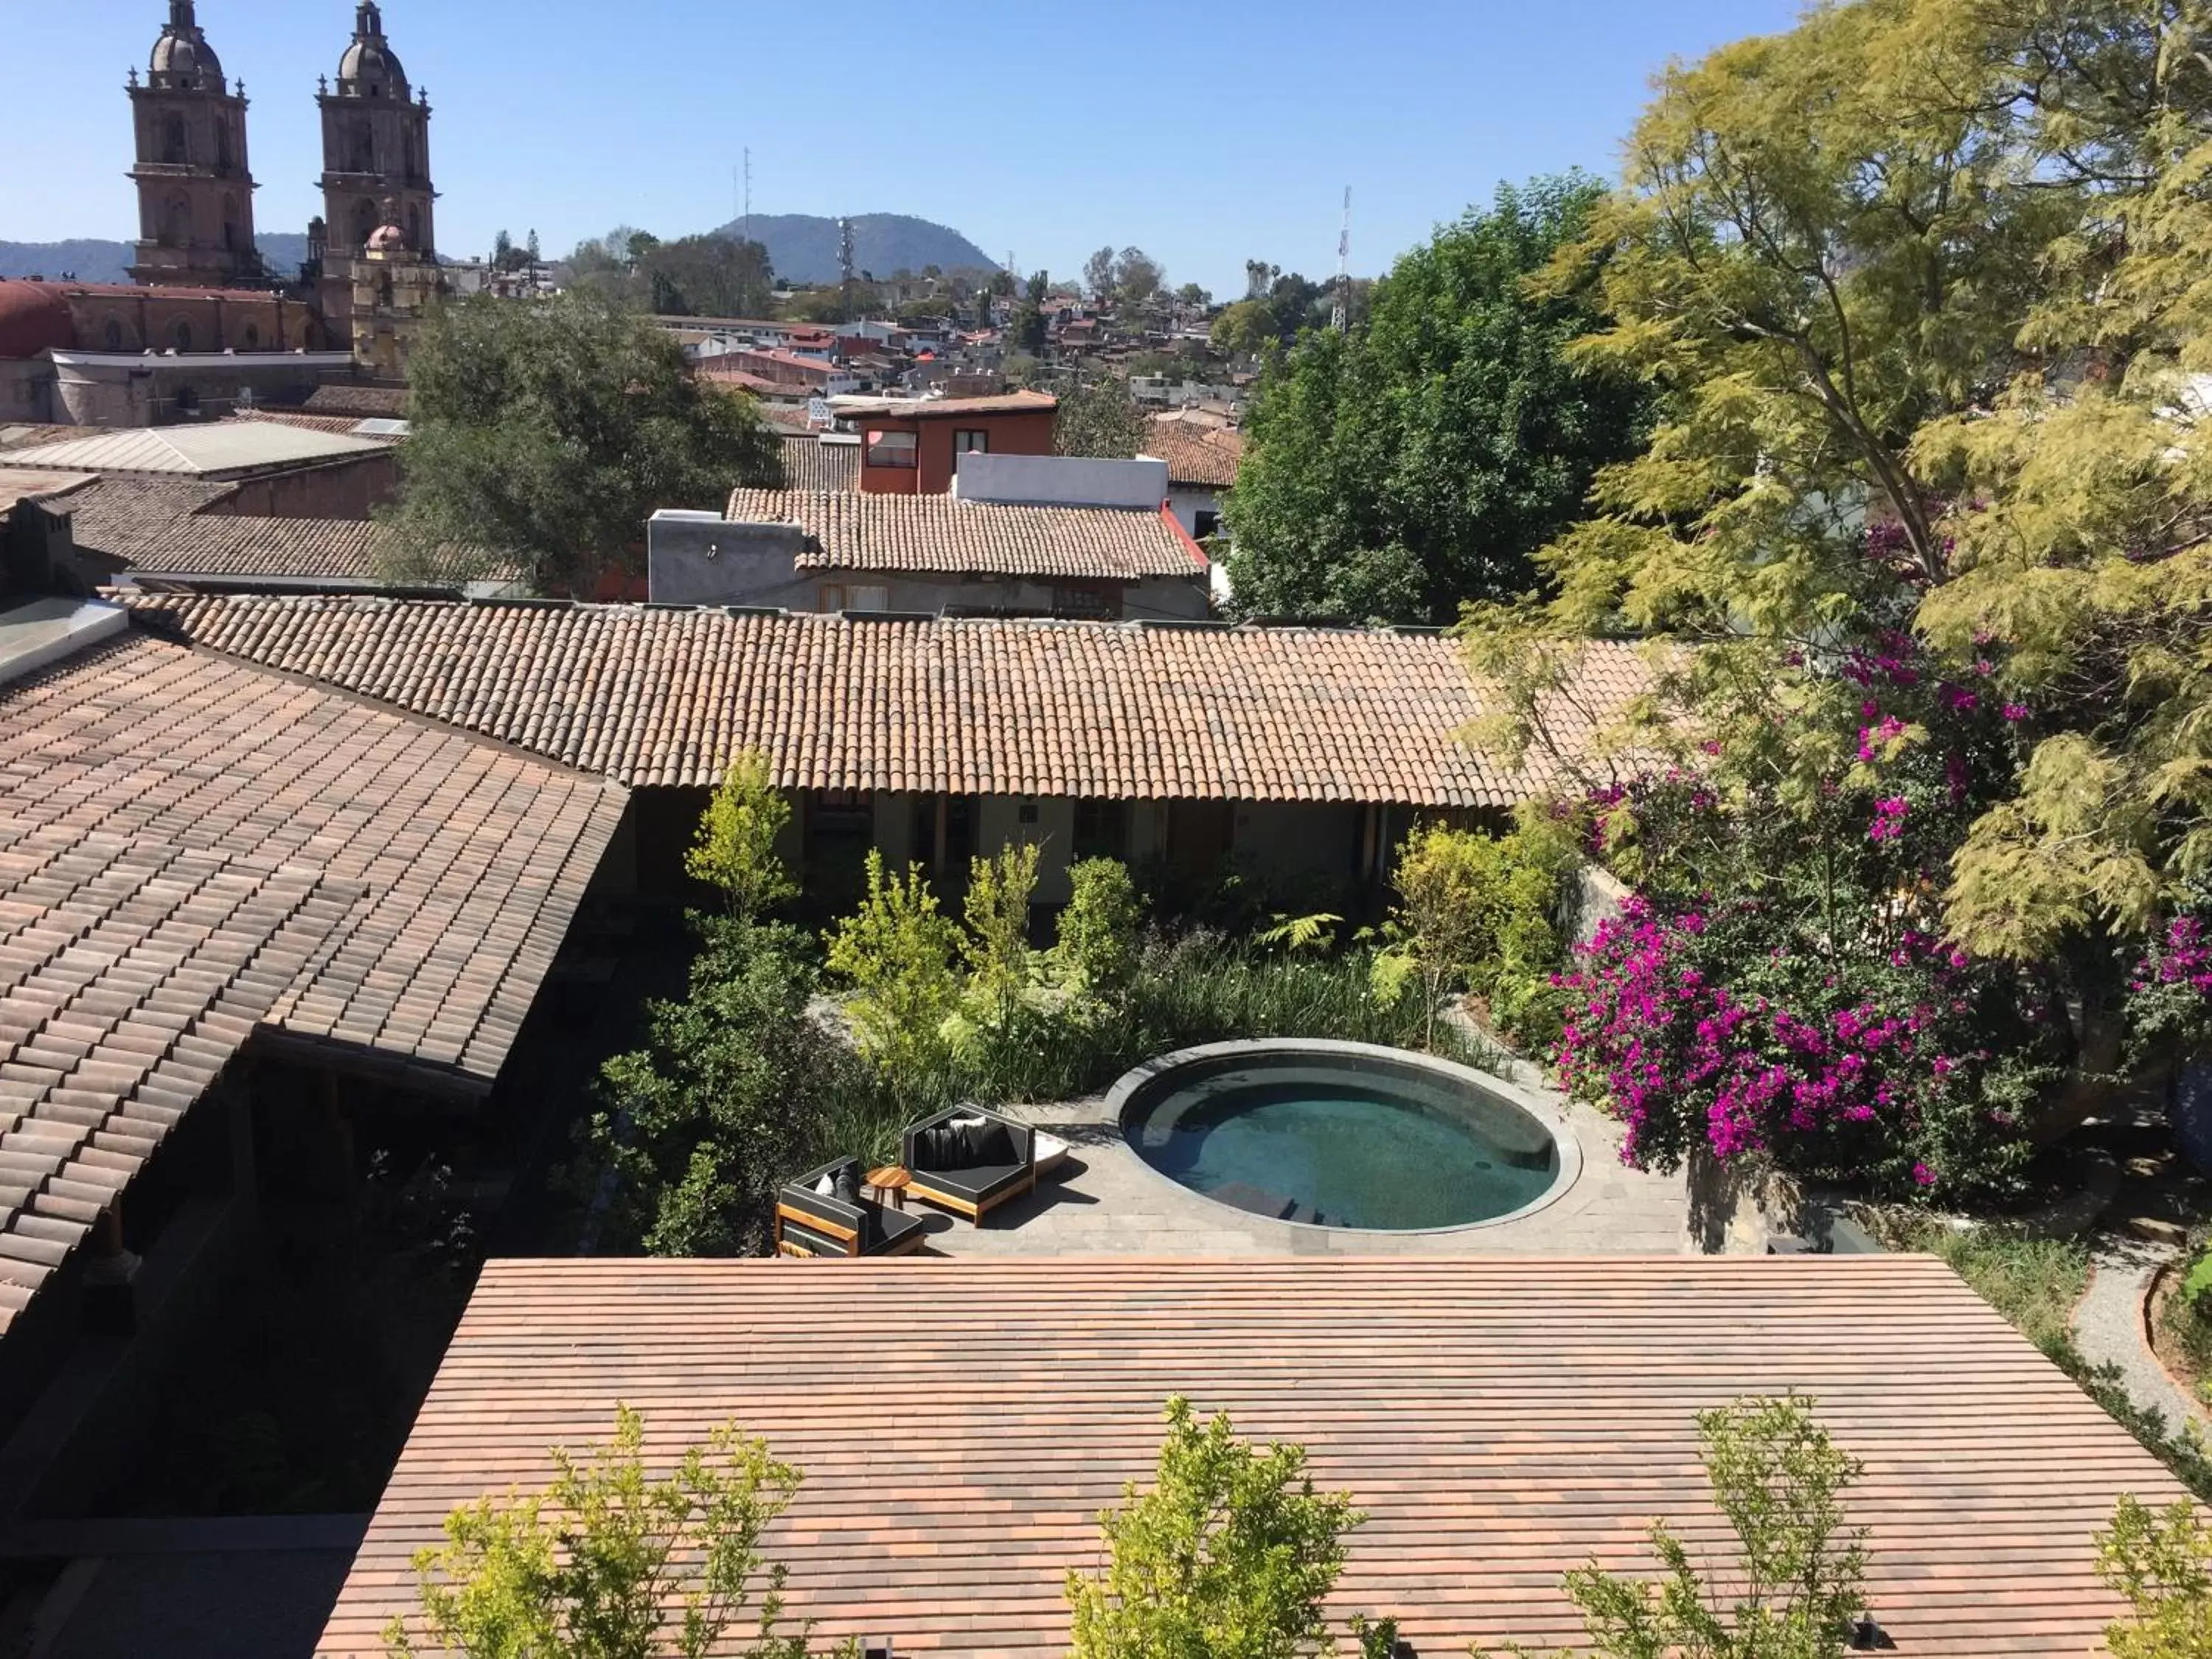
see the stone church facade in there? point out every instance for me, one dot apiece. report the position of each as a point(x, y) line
point(196, 186)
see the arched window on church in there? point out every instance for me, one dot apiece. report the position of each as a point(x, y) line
point(176, 222)
point(223, 144)
point(113, 335)
point(384, 291)
point(182, 334)
point(360, 149)
point(172, 138)
point(230, 238)
point(414, 230)
point(366, 218)
point(252, 337)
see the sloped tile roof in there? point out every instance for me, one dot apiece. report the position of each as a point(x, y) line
point(1500, 1422)
point(474, 856)
point(343, 426)
point(653, 697)
point(941, 535)
point(1205, 457)
point(130, 973)
point(810, 464)
point(361, 402)
point(159, 526)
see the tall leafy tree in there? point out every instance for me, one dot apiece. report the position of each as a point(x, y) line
point(1098, 274)
point(1925, 282)
point(1419, 462)
point(550, 432)
point(1099, 418)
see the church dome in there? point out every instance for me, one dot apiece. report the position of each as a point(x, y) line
point(182, 57)
point(34, 317)
point(370, 67)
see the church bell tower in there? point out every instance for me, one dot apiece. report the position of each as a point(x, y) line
point(376, 160)
point(195, 191)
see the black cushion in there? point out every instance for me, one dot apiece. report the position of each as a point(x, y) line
point(977, 1182)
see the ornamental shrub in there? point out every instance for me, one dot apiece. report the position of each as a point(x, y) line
point(897, 951)
point(996, 946)
point(1096, 951)
point(735, 848)
point(1780, 1481)
point(1229, 1556)
point(1738, 1029)
point(2161, 1562)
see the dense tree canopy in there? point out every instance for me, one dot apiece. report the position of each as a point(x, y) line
point(1098, 418)
point(547, 433)
point(1925, 280)
point(1419, 462)
point(709, 275)
point(1922, 539)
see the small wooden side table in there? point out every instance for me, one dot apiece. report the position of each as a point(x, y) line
point(892, 1181)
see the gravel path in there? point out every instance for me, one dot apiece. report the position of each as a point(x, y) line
point(2108, 1326)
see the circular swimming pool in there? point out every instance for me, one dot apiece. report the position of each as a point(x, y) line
point(1341, 1134)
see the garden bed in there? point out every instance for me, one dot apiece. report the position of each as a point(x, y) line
point(2189, 1363)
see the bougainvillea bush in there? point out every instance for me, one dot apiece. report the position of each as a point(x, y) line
point(1911, 1072)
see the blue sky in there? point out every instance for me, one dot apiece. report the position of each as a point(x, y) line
point(1208, 132)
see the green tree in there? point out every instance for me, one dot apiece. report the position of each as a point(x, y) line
point(1138, 277)
point(1796, 1590)
point(1229, 1556)
point(1098, 275)
point(2162, 1563)
point(996, 946)
point(1924, 282)
point(1029, 330)
point(897, 951)
point(1096, 947)
point(1471, 908)
point(727, 1099)
point(734, 850)
point(1098, 418)
point(547, 433)
point(1421, 462)
point(1244, 330)
point(612, 1563)
point(1192, 294)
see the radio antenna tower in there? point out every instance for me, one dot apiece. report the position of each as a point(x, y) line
point(749, 194)
point(845, 262)
point(1340, 317)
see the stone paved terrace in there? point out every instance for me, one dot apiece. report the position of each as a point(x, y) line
point(1106, 1200)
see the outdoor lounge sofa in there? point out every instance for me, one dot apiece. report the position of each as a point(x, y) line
point(970, 1161)
point(824, 1213)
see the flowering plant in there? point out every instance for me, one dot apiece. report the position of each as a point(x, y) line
point(2169, 1005)
point(1911, 1072)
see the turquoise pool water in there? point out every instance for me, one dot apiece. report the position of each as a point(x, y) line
point(1354, 1143)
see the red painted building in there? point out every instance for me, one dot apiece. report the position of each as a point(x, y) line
point(911, 449)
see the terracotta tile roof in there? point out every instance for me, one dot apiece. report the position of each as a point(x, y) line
point(27, 437)
point(786, 415)
point(851, 531)
point(130, 973)
point(157, 526)
point(1205, 457)
point(1501, 1421)
point(344, 426)
point(1089, 709)
point(810, 464)
point(361, 402)
point(474, 855)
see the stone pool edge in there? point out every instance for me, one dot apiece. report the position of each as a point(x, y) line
point(1555, 1122)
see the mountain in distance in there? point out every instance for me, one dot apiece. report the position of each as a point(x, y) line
point(803, 248)
point(93, 260)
